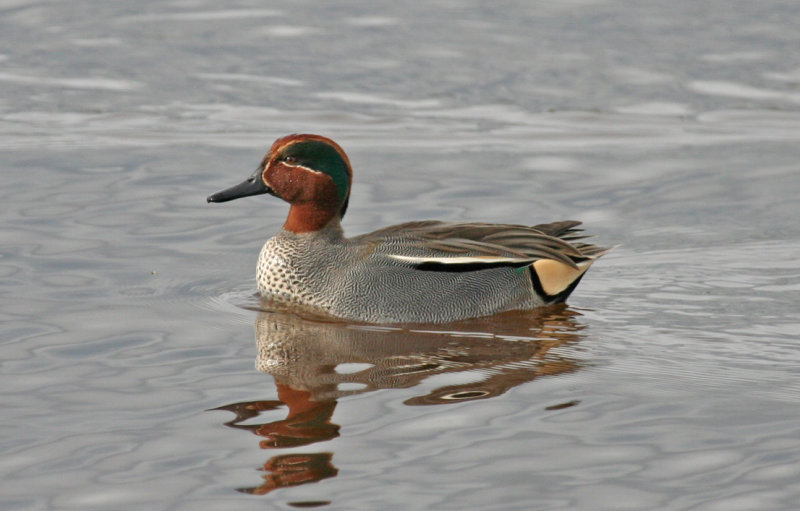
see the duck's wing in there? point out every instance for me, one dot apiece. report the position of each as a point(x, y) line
point(444, 246)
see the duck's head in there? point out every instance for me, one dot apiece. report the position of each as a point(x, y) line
point(310, 172)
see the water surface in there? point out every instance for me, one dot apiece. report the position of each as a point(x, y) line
point(138, 373)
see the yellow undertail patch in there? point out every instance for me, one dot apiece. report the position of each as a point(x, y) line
point(555, 277)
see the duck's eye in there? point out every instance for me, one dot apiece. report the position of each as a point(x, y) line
point(290, 159)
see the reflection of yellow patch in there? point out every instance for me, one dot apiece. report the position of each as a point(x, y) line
point(555, 277)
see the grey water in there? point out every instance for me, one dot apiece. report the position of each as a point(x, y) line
point(138, 370)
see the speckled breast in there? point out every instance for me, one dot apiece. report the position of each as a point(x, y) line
point(285, 272)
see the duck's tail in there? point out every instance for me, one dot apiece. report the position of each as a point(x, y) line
point(554, 281)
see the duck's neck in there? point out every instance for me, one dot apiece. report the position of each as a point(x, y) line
point(311, 217)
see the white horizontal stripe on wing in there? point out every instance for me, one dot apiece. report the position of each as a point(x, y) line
point(460, 259)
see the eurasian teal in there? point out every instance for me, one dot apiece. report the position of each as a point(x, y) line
point(428, 271)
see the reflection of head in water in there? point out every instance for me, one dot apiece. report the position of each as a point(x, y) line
point(315, 362)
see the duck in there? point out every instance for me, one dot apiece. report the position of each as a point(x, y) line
point(415, 272)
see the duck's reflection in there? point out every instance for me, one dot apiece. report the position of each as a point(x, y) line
point(315, 362)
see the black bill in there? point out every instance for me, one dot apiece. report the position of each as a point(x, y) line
point(253, 185)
